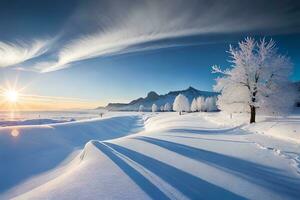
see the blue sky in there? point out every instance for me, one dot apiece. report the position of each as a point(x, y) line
point(115, 51)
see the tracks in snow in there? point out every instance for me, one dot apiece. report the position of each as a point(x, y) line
point(293, 157)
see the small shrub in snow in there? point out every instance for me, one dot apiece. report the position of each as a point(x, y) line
point(181, 103)
point(102, 112)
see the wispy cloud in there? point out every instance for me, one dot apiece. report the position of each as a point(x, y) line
point(127, 24)
point(18, 52)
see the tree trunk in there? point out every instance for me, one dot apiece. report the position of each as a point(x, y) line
point(253, 114)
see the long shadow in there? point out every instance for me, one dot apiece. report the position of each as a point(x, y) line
point(191, 186)
point(230, 131)
point(264, 176)
point(138, 178)
point(208, 139)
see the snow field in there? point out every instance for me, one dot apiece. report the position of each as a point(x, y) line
point(168, 157)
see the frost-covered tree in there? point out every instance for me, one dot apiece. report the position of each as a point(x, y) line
point(214, 106)
point(194, 106)
point(162, 108)
point(167, 107)
point(181, 103)
point(154, 108)
point(141, 108)
point(201, 104)
point(210, 104)
point(256, 81)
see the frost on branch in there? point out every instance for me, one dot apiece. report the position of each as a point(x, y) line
point(258, 80)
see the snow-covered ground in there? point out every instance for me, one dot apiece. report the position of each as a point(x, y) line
point(282, 127)
point(151, 156)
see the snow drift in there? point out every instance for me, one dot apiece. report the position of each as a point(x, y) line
point(26, 151)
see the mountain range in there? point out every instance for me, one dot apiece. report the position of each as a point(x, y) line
point(154, 98)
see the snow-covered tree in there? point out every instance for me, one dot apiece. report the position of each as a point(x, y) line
point(181, 103)
point(210, 104)
point(257, 80)
point(201, 104)
point(194, 106)
point(162, 108)
point(141, 108)
point(167, 107)
point(154, 108)
point(214, 106)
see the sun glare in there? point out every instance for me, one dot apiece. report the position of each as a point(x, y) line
point(15, 132)
point(12, 96)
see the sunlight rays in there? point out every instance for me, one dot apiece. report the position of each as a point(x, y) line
point(11, 95)
point(15, 98)
point(26, 102)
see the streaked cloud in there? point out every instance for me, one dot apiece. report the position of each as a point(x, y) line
point(18, 52)
point(121, 26)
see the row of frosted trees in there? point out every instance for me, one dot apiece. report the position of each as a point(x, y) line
point(181, 104)
point(200, 104)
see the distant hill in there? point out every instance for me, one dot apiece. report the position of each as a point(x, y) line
point(159, 100)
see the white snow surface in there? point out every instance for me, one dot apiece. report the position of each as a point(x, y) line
point(150, 156)
point(281, 127)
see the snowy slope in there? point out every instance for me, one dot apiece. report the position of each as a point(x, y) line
point(174, 157)
point(26, 151)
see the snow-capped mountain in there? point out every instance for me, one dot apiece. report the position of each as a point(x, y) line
point(152, 97)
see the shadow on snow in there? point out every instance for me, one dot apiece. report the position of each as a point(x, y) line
point(137, 177)
point(38, 150)
point(231, 131)
point(208, 139)
point(189, 185)
point(267, 177)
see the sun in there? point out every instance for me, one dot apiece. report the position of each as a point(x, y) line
point(11, 96)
